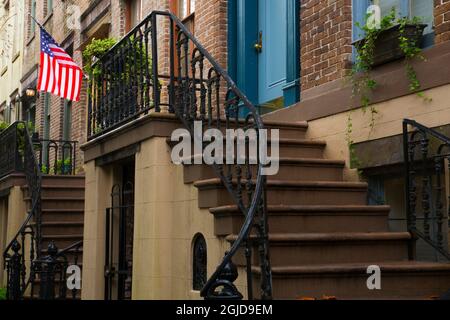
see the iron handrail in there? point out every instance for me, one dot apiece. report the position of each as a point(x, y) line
point(433, 132)
point(75, 245)
point(35, 200)
point(34, 181)
point(260, 180)
point(409, 145)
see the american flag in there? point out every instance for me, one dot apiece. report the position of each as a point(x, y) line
point(58, 73)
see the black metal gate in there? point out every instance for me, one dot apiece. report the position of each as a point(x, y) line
point(119, 243)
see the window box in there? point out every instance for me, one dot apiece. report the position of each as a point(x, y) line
point(387, 46)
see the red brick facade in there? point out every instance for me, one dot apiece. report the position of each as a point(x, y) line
point(442, 20)
point(326, 32)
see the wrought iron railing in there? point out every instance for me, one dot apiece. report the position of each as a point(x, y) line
point(426, 154)
point(11, 150)
point(171, 71)
point(125, 85)
point(49, 273)
point(56, 157)
point(26, 244)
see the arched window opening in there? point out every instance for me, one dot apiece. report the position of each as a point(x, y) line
point(199, 262)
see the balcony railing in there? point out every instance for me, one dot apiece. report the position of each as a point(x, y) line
point(128, 82)
point(56, 157)
point(153, 70)
point(25, 246)
point(12, 149)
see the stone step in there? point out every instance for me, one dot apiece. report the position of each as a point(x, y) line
point(62, 227)
point(212, 193)
point(288, 148)
point(58, 191)
point(300, 149)
point(399, 280)
point(307, 219)
point(63, 180)
point(288, 130)
point(291, 169)
point(62, 215)
point(61, 241)
point(326, 248)
point(58, 203)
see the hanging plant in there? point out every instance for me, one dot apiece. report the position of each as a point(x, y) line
point(402, 38)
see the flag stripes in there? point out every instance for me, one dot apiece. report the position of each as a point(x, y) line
point(58, 73)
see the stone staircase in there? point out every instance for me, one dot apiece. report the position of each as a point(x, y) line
point(323, 236)
point(62, 211)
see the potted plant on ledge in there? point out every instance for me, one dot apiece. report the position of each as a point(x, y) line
point(394, 39)
point(388, 42)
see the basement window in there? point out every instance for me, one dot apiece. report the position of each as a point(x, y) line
point(199, 262)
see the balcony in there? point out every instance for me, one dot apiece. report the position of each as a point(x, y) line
point(129, 81)
point(54, 157)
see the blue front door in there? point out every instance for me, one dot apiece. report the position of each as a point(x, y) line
point(263, 47)
point(272, 49)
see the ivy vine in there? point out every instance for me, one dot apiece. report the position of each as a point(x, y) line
point(363, 84)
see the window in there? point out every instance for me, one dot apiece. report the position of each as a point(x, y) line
point(199, 262)
point(423, 9)
point(31, 115)
point(7, 113)
point(133, 13)
point(405, 8)
point(409, 8)
point(33, 14)
point(67, 107)
point(185, 11)
point(186, 8)
point(3, 112)
point(49, 7)
point(18, 25)
point(5, 30)
point(15, 108)
point(68, 12)
point(387, 5)
point(67, 121)
point(45, 155)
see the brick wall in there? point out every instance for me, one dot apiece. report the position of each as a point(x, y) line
point(211, 28)
point(326, 36)
point(325, 41)
point(442, 20)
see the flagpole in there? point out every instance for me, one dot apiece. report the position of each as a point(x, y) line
point(34, 19)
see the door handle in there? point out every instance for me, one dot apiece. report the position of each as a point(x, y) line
point(259, 45)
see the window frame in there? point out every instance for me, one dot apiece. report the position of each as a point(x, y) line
point(189, 11)
point(48, 8)
point(46, 129)
point(129, 15)
point(67, 120)
point(199, 262)
point(359, 9)
point(4, 112)
point(33, 10)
